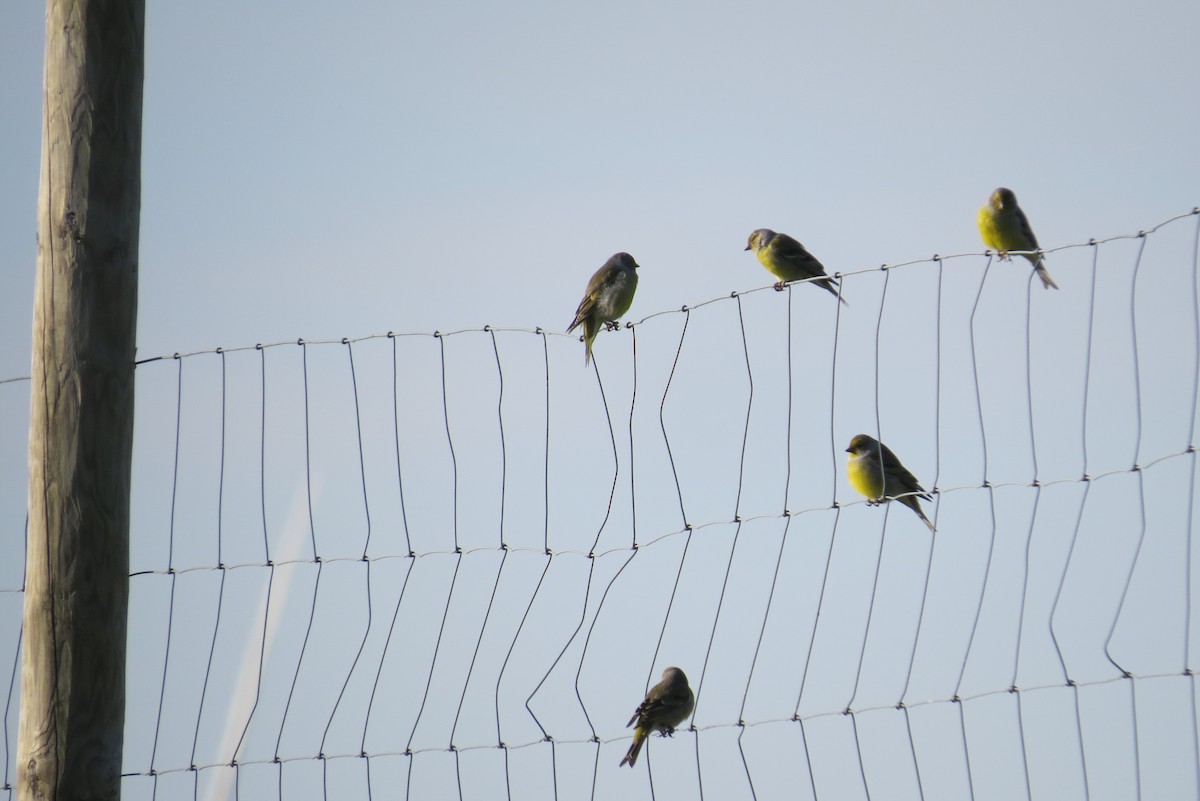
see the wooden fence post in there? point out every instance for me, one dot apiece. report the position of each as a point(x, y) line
point(81, 403)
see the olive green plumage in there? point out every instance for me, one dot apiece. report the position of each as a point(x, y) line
point(607, 297)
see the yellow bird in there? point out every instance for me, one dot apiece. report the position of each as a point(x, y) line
point(1005, 227)
point(789, 260)
point(875, 472)
point(667, 704)
point(608, 296)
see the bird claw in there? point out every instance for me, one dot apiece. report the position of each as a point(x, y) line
point(609, 325)
point(667, 732)
point(779, 286)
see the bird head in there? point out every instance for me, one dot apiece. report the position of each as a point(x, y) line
point(861, 443)
point(759, 238)
point(623, 260)
point(1003, 198)
point(674, 673)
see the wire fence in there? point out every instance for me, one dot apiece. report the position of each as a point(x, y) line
point(450, 564)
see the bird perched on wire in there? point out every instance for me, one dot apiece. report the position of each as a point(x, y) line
point(788, 259)
point(608, 296)
point(667, 704)
point(1005, 227)
point(875, 472)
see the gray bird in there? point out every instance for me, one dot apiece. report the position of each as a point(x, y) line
point(608, 296)
point(667, 704)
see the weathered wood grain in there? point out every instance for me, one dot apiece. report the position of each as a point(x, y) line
point(82, 393)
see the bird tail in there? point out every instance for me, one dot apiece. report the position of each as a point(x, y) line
point(639, 737)
point(1039, 266)
point(912, 503)
point(1047, 281)
point(832, 288)
point(590, 329)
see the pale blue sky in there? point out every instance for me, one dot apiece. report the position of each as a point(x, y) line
point(344, 170)
point(324, 170)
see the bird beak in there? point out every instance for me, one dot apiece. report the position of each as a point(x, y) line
point(747, 247)
point(849, 450)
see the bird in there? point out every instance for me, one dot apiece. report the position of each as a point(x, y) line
point(607, 297)
point(788, 259)
point(1005, 227)
point(667, 704)
point(875, 472)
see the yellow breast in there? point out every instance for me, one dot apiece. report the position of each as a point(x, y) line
point(987, 229)
point(866, 477)
point(777, 267)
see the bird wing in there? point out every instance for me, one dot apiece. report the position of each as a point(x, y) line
point(666, 706)
point(660, 705)
point(796, 255)
point(895, 470)
point(603, 277)
point(1025, 229)
point(584, 311)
